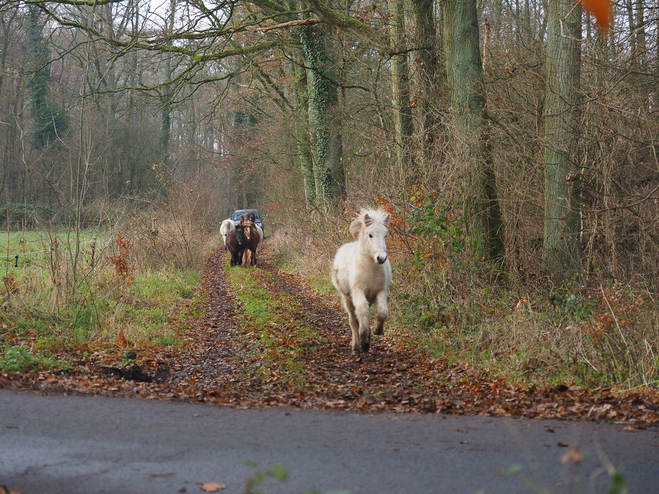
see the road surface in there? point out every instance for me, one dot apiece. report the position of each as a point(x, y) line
point(94, 445)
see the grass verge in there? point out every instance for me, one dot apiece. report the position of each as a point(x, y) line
point(111, 301)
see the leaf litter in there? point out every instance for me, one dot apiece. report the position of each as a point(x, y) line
point(306, 362)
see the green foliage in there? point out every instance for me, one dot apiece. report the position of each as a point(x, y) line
point(255, 483)
point(572, 307)
point(19, 359)
point(437, 218)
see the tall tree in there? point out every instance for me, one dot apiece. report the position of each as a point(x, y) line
point(426, 69)
point(472, 122)
point(49, 119)
point(562, 239)
point(400, 89)
point(323, 96)
point(166, 96)
point(304, 158)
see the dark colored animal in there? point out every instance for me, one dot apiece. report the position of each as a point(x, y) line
point(235, 245)
point(247, 217)
point(249, 238)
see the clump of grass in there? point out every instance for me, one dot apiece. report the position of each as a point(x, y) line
point(20, 359)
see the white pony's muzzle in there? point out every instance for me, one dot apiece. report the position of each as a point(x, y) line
point(381, 258)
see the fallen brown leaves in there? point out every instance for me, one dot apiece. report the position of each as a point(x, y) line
point(6, 490)
point(213, 487)
point(221, 364)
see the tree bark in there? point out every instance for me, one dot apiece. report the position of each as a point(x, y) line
point(465, 73)
point(166, 97)
point(427, 68)
point(304, 157)
point(327, 147)
point(400, 91)
point(562, 242)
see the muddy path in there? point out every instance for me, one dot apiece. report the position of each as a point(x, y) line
point(222, 363)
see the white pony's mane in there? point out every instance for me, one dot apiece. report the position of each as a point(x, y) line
point(375, 216)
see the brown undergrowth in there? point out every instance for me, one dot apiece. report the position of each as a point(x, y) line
point(231, 357)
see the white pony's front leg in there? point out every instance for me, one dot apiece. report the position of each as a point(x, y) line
point(381, 312)
point(361, 311)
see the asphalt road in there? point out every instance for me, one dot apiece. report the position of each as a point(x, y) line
point(88, 445)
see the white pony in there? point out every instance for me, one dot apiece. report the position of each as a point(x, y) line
point(362, 275)
point(225, 228)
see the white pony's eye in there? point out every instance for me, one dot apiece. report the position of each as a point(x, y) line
point(370, 235)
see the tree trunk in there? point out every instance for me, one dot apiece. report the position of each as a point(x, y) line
point(562, 242)
point(400, 91)
point(472, 122)
point(426, 70)
point(166, 98)
point(327, 148)
point(304, 157)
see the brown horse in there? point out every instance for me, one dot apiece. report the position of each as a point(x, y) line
point(251, 239)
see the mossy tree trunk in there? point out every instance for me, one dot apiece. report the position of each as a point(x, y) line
point(304, 158)
point(472, 122)
point(426, 70)
point(166, 95)
point(400, 90)
point(326, 138)
point(49, 120)
point(562, 242)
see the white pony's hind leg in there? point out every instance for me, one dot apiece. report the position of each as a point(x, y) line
point(352, 319)
point(381, 312)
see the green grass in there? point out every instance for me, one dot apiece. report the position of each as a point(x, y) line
point(20, 242)
point(20, 359)
point(42, 312)
point(279, 339)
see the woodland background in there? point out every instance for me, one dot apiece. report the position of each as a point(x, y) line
point(514, 143)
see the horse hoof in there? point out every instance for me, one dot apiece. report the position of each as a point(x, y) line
point(366, 346)
point(378, 331)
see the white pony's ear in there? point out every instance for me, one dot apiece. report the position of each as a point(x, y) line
point(387, 220)
point(368, 221)
point(355, 226)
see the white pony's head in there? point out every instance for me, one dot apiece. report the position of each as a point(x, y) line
point(372, 227)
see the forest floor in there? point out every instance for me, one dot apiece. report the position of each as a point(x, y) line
point(222, 362)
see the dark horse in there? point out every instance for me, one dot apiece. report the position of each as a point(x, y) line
point(235, 246)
